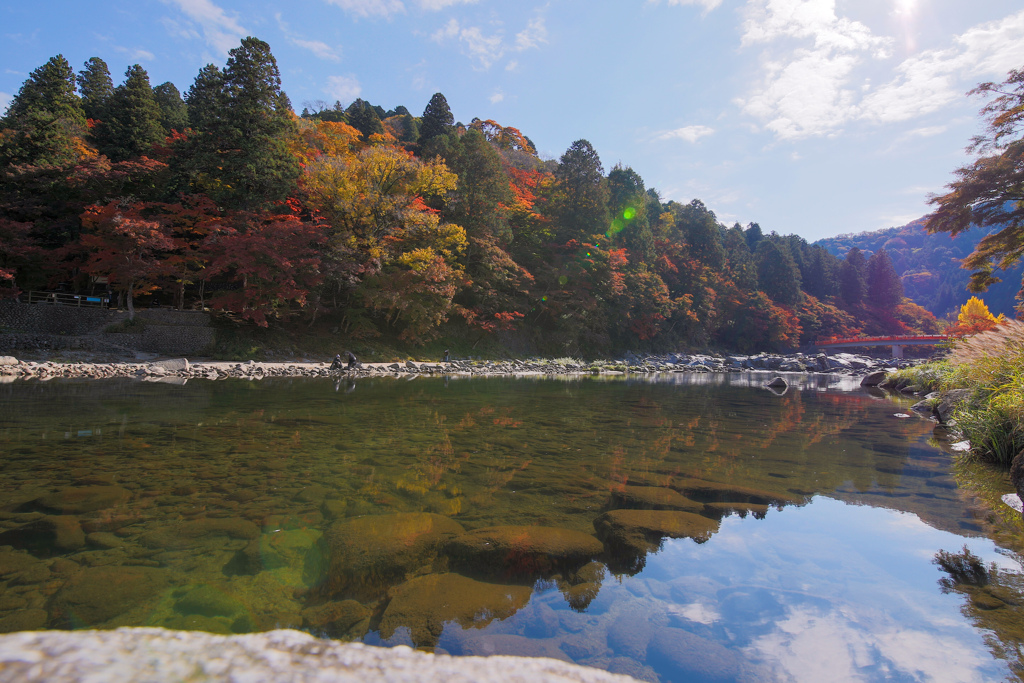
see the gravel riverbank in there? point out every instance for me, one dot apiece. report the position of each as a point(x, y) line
point(12, 368)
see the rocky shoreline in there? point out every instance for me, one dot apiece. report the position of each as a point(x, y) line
point(12, 368)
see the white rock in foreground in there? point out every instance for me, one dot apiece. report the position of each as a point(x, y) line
point(154, 655)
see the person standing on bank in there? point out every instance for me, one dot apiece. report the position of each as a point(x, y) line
point(351, 359)
point(447, 356)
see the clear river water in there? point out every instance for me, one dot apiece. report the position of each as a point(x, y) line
point(674, 528)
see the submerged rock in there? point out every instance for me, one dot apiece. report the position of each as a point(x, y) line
point(653, 498)
point(426, 603)
point(200, 532)
point(78, 499)
point(98, 594)
point(367, 554)
point(523, 551)
point(690, 657)
point(335, 619)
point(46, 537)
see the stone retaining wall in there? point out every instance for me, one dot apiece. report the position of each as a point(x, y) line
point(48, 326)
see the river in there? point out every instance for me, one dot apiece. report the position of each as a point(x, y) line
point(680, 527)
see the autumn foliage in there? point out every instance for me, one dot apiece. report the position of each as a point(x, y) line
point(394, 225)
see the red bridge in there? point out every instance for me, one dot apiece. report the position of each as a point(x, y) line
point(896, 342)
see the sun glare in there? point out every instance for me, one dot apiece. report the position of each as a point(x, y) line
point(905, 6)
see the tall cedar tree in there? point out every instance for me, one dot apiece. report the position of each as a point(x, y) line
point(95, 86)
point(364, 118)
point(239, 154)
point(884, 287)
point(777, 273)
point(700, 227)
point(628, 203)
point(173, 112)
point(45, 122)
point(990, 192)
point(437, 118)
point(853, 277)
point(581, 201)
point(132, 121)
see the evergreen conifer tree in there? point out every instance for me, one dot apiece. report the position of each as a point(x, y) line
point(885, 290)
point(173, 111)
point(852, 277)
point(242, 121)
point(777, 273)
point(45, 121)
point(581, 201)
point(95, 87)
point(437, 118)
point(363, 117)
point(132, 122)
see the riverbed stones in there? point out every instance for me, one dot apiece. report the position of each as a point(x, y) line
point(873, 379)
point(690, 657)
point(47, 536)
point(98, 594)
point(76, 500)
point(336, 619)
point(523, 551)
point(200, 532)
point(1017, 474)
point(367, 554)
point(653, 498)
point(426, 603)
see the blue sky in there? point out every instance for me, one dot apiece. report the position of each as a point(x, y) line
point(814, 117)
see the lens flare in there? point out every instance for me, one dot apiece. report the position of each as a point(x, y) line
point(562, 279)
point(629, 214)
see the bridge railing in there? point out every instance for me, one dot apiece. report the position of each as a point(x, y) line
point(892, 339)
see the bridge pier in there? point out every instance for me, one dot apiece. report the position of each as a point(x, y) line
point(897, 351)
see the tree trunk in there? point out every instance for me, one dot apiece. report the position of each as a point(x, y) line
point(131, 300)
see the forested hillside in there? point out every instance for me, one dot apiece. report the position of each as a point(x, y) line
point(379, 223)
point(929, 266)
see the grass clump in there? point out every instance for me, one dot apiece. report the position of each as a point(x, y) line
point(927, 377)
point(991, 366)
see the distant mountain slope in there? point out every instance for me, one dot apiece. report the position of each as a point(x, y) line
point(929, 266)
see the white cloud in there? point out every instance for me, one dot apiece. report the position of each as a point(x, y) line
point(484, 49)
point(137, 54)
point(386, 8)
point(343, 88)
point(813, 82)
point(688, 133)
point(5, 101)
point(534, 35)
point(488, 49)
point(497, 97)
point(935, 78)
point(370, 8)
point(434, 5)
point(221, 31)
point(708, 5)
point(512, 65)
point(318, 48)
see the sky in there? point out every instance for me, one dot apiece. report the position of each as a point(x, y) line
point(813, 117)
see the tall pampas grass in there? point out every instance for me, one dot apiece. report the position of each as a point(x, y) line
point(991, 365)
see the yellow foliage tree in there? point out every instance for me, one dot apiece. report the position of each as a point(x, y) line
point(974, 318)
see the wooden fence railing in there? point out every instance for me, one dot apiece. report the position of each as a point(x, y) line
point(64, 299)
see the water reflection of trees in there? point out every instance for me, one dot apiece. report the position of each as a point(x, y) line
point(993, 601)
